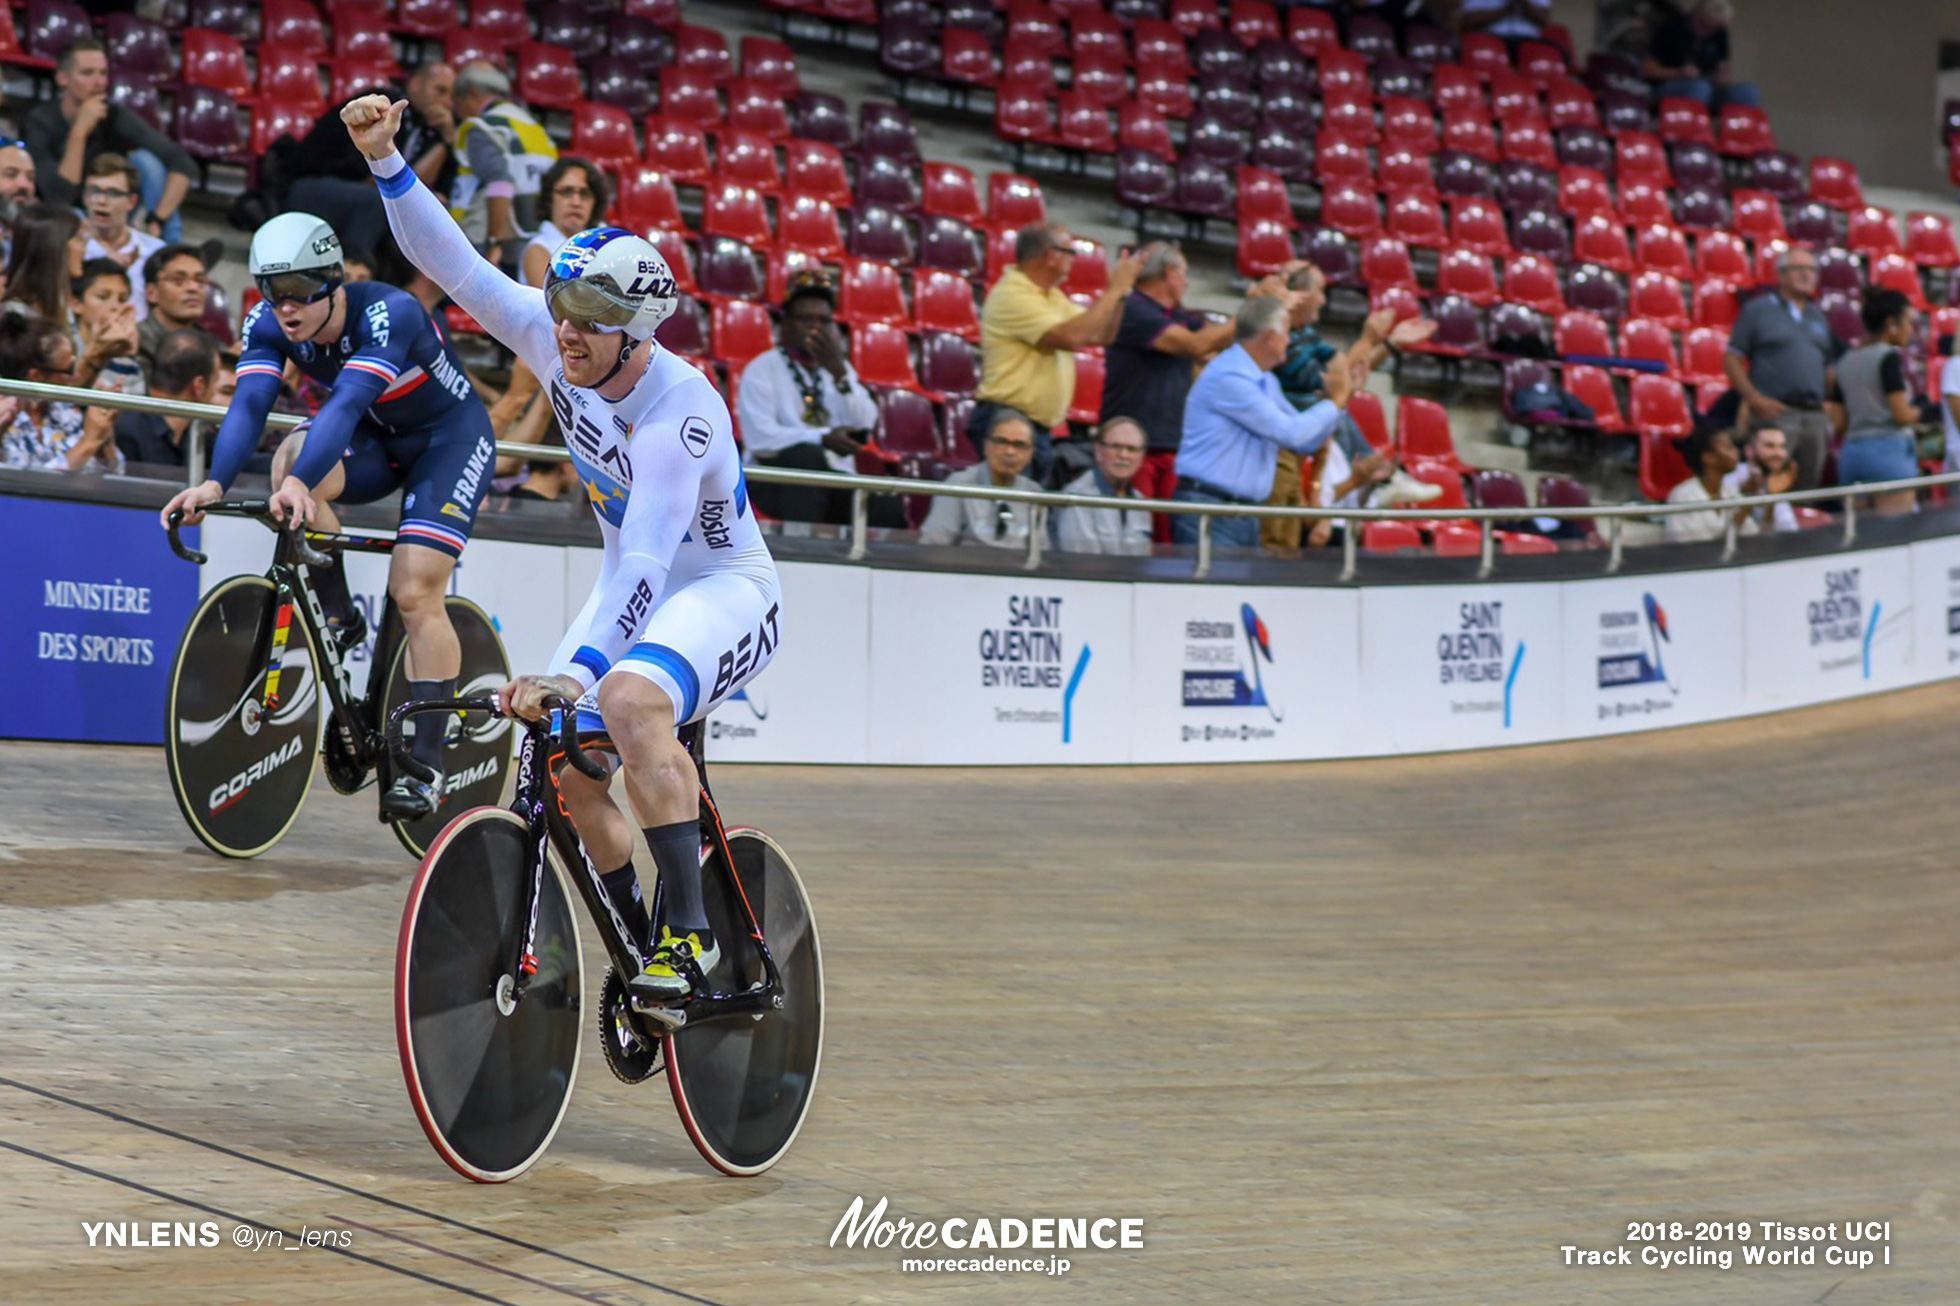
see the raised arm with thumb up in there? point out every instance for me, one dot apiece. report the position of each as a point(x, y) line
point(372, 122)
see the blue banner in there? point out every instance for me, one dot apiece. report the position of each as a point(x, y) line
point(92, 604)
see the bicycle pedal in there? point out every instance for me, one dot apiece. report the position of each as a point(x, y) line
point(670, 1018)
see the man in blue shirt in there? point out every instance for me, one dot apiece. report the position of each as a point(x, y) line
point(1236, 420)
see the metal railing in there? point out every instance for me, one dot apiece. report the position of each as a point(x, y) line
point(1488, 520)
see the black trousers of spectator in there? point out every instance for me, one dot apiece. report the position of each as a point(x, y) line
point(812, 503)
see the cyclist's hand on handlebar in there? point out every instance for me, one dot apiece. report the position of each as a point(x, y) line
point(191, 502)
point(526, 696)
point(292, 497)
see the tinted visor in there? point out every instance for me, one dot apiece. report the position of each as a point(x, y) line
point(299, 287)
point(588, 306)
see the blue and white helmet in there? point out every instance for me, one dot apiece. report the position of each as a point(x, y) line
point(608, 279)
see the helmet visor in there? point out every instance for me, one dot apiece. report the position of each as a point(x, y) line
point(589, 307)
point(299, 287)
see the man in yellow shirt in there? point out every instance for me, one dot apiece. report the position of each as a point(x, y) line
point(1030, 330)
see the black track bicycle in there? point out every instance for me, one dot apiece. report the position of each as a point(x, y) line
point(259, 686)
point(490, 988)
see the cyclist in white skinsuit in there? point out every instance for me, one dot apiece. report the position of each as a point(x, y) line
point(687, 605)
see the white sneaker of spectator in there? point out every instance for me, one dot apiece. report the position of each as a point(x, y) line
point(1401, 489)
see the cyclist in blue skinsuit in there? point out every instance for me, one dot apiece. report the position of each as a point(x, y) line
point(402, 415)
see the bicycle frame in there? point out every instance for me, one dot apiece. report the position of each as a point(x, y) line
point(542, 806)
point(358, 717)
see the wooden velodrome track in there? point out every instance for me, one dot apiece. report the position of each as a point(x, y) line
point(1382, 1032)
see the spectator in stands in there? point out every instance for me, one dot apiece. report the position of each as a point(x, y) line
point(1030, 330)
point(109, 200)
point(176, 286)
point(65, 134)
point(1514, 20)
point(1950, 403)
point(1121, 444)
point(1308, 357)
point(359, 262)
point(1712, 458)
point(1689, 56)
point(1778, 360)
point(326, 175)
point(502, 154)
point(1869, 389)
point(105, 321)
point(37, 267)
point(1001, 523)
point(1236, 420)
point(575, 197)
point(50, 433)
point(1340, 483)
point(187, 371)
point(1767, 466)
point(16, 187)
point(802, 405)
point(1150, 362)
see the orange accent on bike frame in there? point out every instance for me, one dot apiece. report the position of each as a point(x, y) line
point(280, 630)
point(728, 860)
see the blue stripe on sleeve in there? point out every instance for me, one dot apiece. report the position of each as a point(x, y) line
point(398, 185)
point(675, 665)
point(592, 660)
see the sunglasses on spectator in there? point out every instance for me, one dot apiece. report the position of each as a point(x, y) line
point(573, 192)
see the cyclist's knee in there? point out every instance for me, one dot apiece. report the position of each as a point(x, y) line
point(639, 716)
point(421, 583)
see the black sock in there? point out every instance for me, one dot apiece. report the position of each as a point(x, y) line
point(330, 583)
point(623, 887)
point(431, 728)
point(676, 852)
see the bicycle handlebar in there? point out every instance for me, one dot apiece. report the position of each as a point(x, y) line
point(568, 732)
point(258, 509)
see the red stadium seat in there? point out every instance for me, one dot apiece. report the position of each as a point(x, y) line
point(1409, 125)
point(882, 234)
point(1406, 172)
point(603, 133)
point(1682, 119)
point(755, 108)
point(1032, 23)
point(1640, 155)
point(271, 120)
point(738, 332)
point(1159, 49)
point(1086, 404)
point(943, 301)
point(1349, 120)
point(425, 18)
point(1030, 71)
point(1140, 127)
point(347, 78)
point(504, 22)
point(1344, 76)
point(1579, 333)
point(1088, 273)
point(290, 79)
point(1544, 61)
point(968, 56)
point(1457, 539)
point(294, 24)
point(1871, 232)
point(748, 159)
point(673, 247)
point(1468, 274)
point(814, 168)
point(1013, 201)
point(1721, 256)
point(1095, 34)
point(1715, 305)
point(1643, 204)
point(646, 200)
point(784, 264)
point(547, 77)
point(1657, 295)
point(810, 225)
point(1336, 159)
point(771, 64)
point(690, 98)
point(1757, 216)
point(1165, 93)
point(1417, 220)
point(1101, 79)
point(869, 291)
point(218, 61)
point(1422, 432)
point(731, 270)
point(949, 367)
point(882, 356)
point(952, 246)
point(1350, 209)
point(680, 149)
point(1386, 536)
point(737, 211)
point(685, 332)
point(1082, 123)
point(1514, 98)
point(1023, 114)
point(1835, 182)
point(362, 34)
point(136, 46)
point(1582, 191)
point(1485, 54)
point(1650, 341)
point(1929, 241)
point(206, 124)
point(1742, 130)
point(1263, 197)
point(1593, 387)
point(1401, 301)
point(1468, 134)
point(1265, 246)
point(1533, 282)
point(1385, 263)
point(949, 190)
point(1598, 238)
point(1895, 271)
point(1570, 104)
point(1312, 30)
point(1253, 21)
point(1457, 90)
point(1702, 349)
point(461, 45)
point(1659, 247)
point(703, 50)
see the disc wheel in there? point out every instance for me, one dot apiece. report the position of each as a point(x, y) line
point(744, 1085)
point(476, 758)
point(240, 770)
point(489, 1077)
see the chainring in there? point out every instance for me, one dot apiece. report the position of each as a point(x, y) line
point(345, 770)
point(631, 1054)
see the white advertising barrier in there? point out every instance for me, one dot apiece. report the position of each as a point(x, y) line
point(1827, 628)
point(998, 669)
point(1237, 673)
point(808, 705)
point(1935, 609)
point(1652, 651)
point(1463, 666)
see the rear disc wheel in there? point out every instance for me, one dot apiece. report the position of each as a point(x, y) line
point(476, 758)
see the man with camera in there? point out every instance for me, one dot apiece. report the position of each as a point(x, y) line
point(801, 405)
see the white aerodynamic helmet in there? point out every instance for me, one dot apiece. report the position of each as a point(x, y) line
point(296, 256)
point(608, 279)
